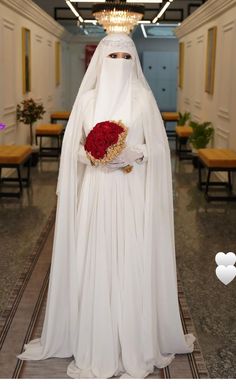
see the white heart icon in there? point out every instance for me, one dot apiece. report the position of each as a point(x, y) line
point(225, 259)
point(226, 274)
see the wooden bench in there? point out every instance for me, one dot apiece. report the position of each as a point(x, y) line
point(14, 156)
point(182, 135)
point(53, 131)
point(169, 116)
point(60, 116)
point(216, 160)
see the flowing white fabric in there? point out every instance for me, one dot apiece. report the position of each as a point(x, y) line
point(112, 300)
point(113, 91)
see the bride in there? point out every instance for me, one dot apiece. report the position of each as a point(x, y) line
point(112, 302)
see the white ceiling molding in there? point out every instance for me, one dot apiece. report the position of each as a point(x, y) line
point(33, 12)
point(204, 14)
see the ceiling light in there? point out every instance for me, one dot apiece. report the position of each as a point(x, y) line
point(143, 30)
point(75, 12)
point(162, 11)
point(118, 16)
point(93, 21)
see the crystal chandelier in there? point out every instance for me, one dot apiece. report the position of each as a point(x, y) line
point(117, 15)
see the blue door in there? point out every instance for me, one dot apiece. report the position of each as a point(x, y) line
point(160, 69)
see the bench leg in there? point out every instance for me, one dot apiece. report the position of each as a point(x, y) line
point(50, 151)
point(17, 179)
point(180, 147)
point(20, 180)
point(27, 180)
point(199, 175)
point(176, 144)
point(229, 180)
point(207, 184)
point(184, 153)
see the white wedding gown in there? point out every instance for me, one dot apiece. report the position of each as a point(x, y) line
point(110, 235)
point(111, 335)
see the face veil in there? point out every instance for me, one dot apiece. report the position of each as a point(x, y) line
point(113, 92)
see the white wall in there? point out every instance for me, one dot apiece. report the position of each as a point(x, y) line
point(218, 108)
point(45, 32)
point(76, 69)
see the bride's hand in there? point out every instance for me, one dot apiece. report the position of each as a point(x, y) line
point(126, 157)
point(130, 155)
point(116, 163)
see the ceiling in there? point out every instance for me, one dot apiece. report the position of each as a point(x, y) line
point(59, 10)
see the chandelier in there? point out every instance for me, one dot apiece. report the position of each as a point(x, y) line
point(117, 15)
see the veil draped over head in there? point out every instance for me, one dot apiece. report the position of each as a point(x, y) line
point(160, 309)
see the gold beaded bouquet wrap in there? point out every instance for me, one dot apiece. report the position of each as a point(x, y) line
point(105, 142)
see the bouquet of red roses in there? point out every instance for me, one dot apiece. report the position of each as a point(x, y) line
point(105, 142)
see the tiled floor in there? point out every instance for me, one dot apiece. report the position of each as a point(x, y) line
point(21, 222)
point(201, 230)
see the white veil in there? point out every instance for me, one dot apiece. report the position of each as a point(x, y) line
point(161, 311)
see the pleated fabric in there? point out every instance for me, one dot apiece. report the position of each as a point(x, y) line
point(113, 301)
point(110, 334)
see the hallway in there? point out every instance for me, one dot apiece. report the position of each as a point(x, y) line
point(186, 52)
point(201, 230)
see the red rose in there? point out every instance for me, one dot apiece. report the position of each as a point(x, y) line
point(102, 142)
